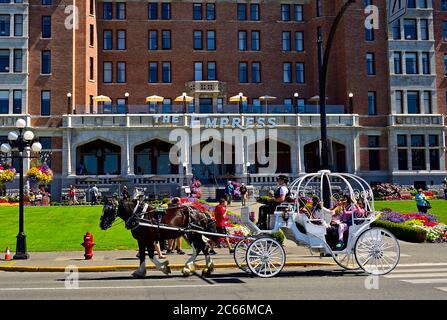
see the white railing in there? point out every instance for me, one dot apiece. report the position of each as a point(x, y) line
point(416, 120)
point(205, 87)
point(9, 120)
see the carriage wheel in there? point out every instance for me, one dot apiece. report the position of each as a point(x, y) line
point(346, 260)
point(265, 257)
point(240, 254)
point(377, 251)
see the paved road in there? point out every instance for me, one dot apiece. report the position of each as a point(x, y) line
point(409, 281)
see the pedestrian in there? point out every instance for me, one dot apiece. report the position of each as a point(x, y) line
point(444, 183)
point(421, 202)
point(244, 194)
point(72, 195)
point(94, 193)
point(125, 194)
point(229, 192)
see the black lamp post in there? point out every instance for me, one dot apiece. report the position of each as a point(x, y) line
point(126, 96)
point(295, 96)
point(22, 142)
point(69, 108)
point(241, 96)
point(323, 68)
point(351, 103)
point(248, 164)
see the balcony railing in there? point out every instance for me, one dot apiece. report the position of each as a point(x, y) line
point(416, 120)
point(205, 87)
point(9, 120)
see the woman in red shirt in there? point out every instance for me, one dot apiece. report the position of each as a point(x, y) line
point(220, 213)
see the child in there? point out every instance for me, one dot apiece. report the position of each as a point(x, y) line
point(220, 213)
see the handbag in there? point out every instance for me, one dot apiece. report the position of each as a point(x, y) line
point(427, 204)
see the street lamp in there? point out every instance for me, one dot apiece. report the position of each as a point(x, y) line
point(351, 103)
point(126, 96)
point(323, 68)
point(296, 95)
point(69, 108)
point(248, 164)
point(241, 96)
point(21, 142)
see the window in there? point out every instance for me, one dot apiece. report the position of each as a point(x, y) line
point(370, 64)
point(166, 11)
point(17, 102)
point(397, 63)
point(108, 72)
point(92, 68)
point(107, 40)
point(298, 12)
point(300, 72)
point(46, 27)
point(92, 36)
point(121, 40)
point(299, 41)
point(45, 142)
point(413, 106)
point(45, 103)
point(411, 63)
point(256, 72)
point(241, 11)
point(418, 152)
point(374, 155)
point(369, 34)
point(198, 43)
point(411, 4)
point(410, 29)
point(198, 71)
point(18, 25)
point(427, 102)
point(285, 12)
point(4, 60)
point(286, 46)
point(318, 6)
point(396, 30)
point(167, 105)
point(153, 40)
point(444, 31)
point(426, 63)
point(46, 62)
point(254, 12)
point(18, 60)
point(46, 2)
point(120, 11)
point(153, 72)
point(402, 154)
point(425, 35)
point(422, 4)
point(255, 41)
point(107, 11)
point(197, 11)
point(166, 40)
point(444, 5)
point(211, 74)
point(399, 102)
point(210, 11)
point(243, 72)
point(287, 72)
point(445, 64)
point(166, 72)
point(153, 11)
point(121, 72)
point(242, 40)
point(91, 7)
point(4, 25)
point(211, 40)
point(4, 102)
point(372, 107)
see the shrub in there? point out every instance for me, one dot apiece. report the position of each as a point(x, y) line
point(279, 236)
point(402, 232)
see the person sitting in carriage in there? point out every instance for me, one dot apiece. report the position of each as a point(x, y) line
point(281, 194)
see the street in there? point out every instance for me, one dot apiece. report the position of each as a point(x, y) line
point(421, 274)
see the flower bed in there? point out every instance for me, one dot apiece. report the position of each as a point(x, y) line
point(435, 231)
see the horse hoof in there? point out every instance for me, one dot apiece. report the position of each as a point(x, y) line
point(166, 269)
point(191, 267)
point(139, 275)
point(186, 272)
point(211, 267)
point(206, 272)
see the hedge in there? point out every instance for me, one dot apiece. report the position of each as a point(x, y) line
point(402, 232)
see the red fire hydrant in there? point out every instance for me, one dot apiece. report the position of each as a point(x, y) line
point(88, 245)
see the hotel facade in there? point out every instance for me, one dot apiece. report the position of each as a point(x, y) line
point(386, 88)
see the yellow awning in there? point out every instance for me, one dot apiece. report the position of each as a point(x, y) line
point(102, 99)
point(155, 99)
point(184, 98)
point(238, 98)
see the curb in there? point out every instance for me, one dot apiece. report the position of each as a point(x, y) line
point(151, 267)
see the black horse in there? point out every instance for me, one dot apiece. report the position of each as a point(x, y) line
point(183, 217)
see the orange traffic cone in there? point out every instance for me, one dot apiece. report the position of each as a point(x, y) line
point(8, 254)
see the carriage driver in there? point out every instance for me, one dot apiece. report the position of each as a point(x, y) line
point(279, 196)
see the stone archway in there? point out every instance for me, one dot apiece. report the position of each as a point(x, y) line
point(337, 157)
point(283, 158)
point(98, 158)
point(152, 157)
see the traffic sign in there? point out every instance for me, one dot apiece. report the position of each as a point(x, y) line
point(397, 8)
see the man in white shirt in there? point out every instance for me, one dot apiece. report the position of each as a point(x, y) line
point(279, 197)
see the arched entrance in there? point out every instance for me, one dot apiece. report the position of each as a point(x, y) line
point(98, 158)
point(153, 158)
point(283, 158)
point(337, 157)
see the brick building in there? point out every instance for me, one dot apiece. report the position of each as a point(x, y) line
point(391, 129)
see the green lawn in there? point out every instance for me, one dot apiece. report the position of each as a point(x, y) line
point(439, 207)
point(63, 228)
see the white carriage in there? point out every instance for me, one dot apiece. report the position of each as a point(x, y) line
point(375, 250)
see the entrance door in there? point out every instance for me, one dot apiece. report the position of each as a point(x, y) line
point(206, 105)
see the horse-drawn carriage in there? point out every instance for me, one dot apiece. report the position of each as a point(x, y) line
point(375, 250)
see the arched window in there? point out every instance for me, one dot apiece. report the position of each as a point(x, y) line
point(98, 158)
point(153, 158)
